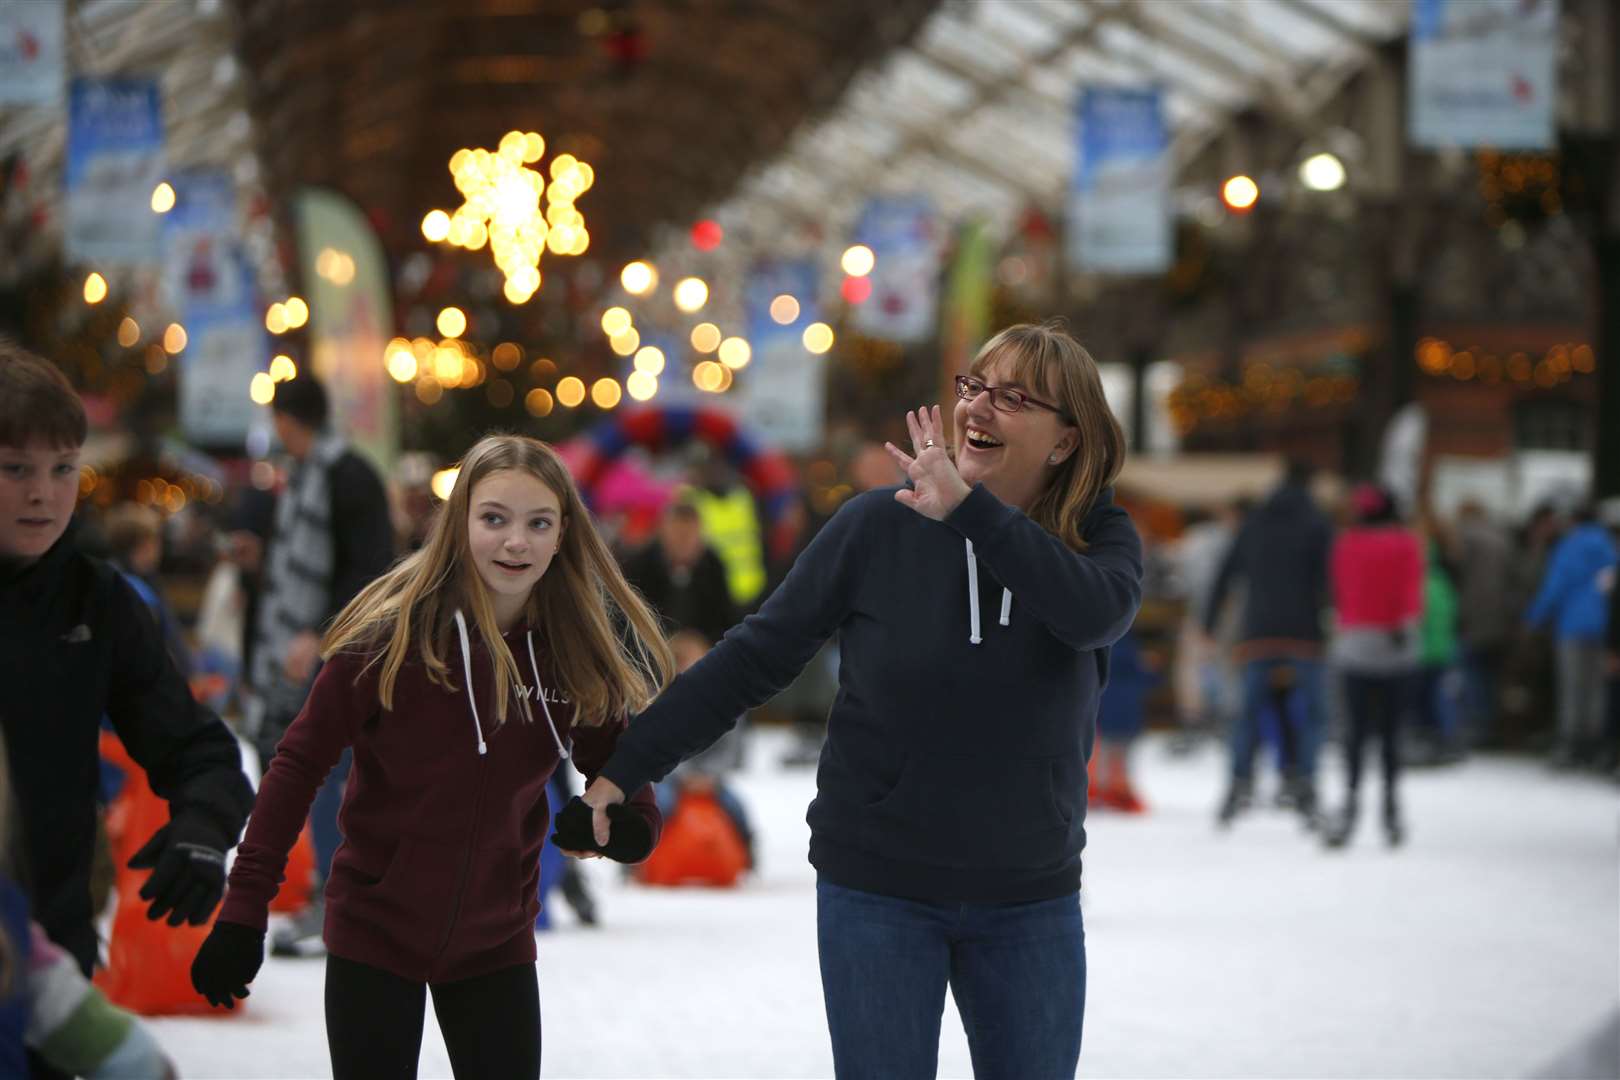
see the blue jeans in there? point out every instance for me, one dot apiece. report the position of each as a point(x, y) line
point(1018, 972)
point(323, 815)
point(1303, 715)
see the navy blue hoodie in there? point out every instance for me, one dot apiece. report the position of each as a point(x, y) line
point(973, 652)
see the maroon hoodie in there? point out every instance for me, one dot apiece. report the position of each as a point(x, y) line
point(443, 816)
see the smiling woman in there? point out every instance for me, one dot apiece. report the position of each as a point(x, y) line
point(945, 844)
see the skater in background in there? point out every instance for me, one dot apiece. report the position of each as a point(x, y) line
point(946, 842)
point(1206, 686)
point(1573, 600)
point(1121, 715)
point(461, 679)
point(706, 772)
point(1281, 552)
point(331, 535)
point(1378, 597)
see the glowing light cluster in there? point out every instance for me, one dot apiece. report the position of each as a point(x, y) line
point(501, 208)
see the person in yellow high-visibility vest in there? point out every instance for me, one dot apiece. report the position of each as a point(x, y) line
point(731, 526)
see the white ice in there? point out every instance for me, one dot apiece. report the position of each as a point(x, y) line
point(1481, 949)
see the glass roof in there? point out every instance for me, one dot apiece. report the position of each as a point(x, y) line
point(977, 110)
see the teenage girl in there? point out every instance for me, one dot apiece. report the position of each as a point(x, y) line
point(461, 678)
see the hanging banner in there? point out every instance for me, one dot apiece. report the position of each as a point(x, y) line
point(209, 283)
point(782, 392)
point(31, 35)
point(114, 160)
point(1119, 203)
point(351, 319)
point(203, 270)
point(965, 313)
point(1483, 73)
point(901, 233)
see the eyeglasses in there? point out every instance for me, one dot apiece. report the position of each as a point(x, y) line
point(1003, 398)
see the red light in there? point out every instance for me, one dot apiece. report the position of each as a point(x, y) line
point(707, 234)
point(856, 289)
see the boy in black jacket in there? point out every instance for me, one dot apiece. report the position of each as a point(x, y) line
point(77, 644)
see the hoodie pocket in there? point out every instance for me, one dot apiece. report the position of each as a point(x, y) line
point(968, 812)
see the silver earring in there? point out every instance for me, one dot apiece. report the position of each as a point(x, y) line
point(1052, 459)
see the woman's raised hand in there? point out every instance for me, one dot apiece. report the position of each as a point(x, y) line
point(937, 488)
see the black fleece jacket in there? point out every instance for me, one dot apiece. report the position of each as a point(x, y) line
point(77, 644)
point(973, 652)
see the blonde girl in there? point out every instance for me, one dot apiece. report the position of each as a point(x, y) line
point(461, 678)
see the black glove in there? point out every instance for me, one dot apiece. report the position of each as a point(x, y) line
point(630, 838)
point(187, 860)
point(229, 958)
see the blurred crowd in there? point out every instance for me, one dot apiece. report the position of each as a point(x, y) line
point(1326, 611)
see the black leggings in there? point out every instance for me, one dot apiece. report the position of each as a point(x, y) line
point(491, 1023)
point(1376, 703)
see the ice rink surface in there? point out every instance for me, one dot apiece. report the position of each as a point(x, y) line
point(1483, 948)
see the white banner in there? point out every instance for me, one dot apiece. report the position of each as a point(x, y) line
point(215, 369)
point(31, 36)
point(1119, 204)
point(783, 390)
point(1483, 73)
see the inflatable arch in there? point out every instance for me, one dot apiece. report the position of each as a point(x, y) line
point(768, 473)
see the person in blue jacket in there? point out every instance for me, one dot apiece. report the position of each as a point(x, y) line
point(1573, 598)
point(975, 608)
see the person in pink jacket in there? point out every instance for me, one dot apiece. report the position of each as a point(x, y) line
point(1376, 571)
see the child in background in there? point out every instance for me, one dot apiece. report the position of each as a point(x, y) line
point(459, 678)
point(1132, 672)
point(1377, 568)
point(706, 771)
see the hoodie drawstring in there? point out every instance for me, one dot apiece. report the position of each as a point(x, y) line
point(973, 599)
point(540, 692)
point(973, 596)
point(466, 666)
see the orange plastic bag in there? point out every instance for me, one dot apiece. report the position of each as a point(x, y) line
point(148, 963)
point(700, 846)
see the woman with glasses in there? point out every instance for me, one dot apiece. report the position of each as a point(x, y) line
point(974, 607)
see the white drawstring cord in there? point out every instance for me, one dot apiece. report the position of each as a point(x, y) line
point(540, 692)
point(466, 666)
point(973, 596)
point(1006, 606)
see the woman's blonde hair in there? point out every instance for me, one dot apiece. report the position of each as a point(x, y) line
point(574, 604)
point(1044, 357)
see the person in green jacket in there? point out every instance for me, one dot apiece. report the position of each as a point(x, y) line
point(1437, 718)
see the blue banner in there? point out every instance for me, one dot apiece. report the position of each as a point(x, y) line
point(114, 160)
point(206, 272)
point(902, 233)
point(1119, 205)
point(209, 283)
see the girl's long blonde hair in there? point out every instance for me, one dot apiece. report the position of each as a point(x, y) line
point(574, 604)
point(1042, 356)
